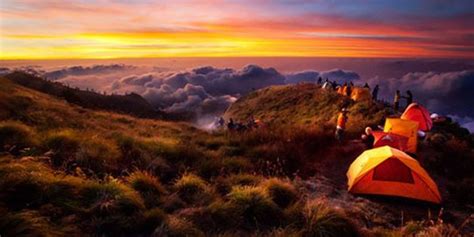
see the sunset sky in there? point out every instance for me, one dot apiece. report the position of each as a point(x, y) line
point(49, 29)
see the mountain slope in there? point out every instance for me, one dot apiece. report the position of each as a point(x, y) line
point(70, 171)
point(132, 104)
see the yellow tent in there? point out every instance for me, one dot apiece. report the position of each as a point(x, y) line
point(403, 127)
point(361, 94)
point(388, 171)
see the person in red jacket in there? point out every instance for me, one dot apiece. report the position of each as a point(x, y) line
point(341, 124)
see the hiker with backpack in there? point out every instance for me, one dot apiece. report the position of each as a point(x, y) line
point(341, 124)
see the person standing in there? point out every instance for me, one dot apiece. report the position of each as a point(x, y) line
point(409, 98)
point(375, 92)
point(396, 101)
point(341, 124)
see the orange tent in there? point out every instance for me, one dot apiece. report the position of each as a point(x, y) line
point(361, 94)
point(389, 139)
point(403, 127)
point(388, 171)
point(420, 114)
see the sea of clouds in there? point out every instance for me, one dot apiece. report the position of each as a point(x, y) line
point(208, 91)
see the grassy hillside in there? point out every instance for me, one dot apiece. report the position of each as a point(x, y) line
point(67, 170)
point(132, 104)
point(305, 105)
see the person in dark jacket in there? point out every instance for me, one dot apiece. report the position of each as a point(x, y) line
point(375, 92)
point(368, 138)
point(409, 97)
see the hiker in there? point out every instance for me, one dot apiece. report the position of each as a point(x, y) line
point(341, 124)
point(368, 138)
point(334, 85)
point(375, 92)
point(221, 122)
point(231, 124)
point(320, 81)
point(396, 101)
point(251, 122)
point(349, 89)
point(326, 84)
point(344, 88)
point(409, 97)
point(366, 86)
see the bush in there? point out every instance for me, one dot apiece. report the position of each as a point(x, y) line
point(193, 189)
point(224, 184)
point(148, 186)
point(176, 227)
point(111, 198)
point(64, 144)
point(257, 210)
point(97, 155)
point(321, 220)
point(15, 134)
point(152, 219)
point(26, 223)
point(281, 192)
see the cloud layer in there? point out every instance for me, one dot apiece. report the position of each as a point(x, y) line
point(209, 90)
point(199, 91)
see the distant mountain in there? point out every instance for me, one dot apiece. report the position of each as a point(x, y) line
point(132, 104)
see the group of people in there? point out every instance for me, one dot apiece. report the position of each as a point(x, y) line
point(397, 98)
point(345, 88)
point(342, 117)
point(232, 125)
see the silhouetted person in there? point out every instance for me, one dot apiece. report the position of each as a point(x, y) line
point(231, 124)
point(221, 122)
point(320, 81)
point(396, 101)
point(375, 92)
point(409, 97)
point(349, 89)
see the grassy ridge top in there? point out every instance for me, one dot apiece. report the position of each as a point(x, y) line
point(305, 105)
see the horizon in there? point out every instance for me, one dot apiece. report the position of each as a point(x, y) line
point(369, 29)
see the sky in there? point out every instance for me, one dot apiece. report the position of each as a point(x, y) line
point(103, 29)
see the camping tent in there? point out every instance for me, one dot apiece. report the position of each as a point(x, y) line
point(388, 171)
point(420, 114)
point(390, 139)
point(361, 94)
point(403, 127)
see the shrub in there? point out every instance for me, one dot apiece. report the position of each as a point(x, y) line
point(111, 198)
point(209, 167)
point(281, 192)
point(321, 220)
point(256, 208)
point(148, 186)
point(225, 184)
point(64, 144)
point(223, 216)
point(26, 223)
point(176, 227)
point(193, 189)
point(98, 155)
point(15, 134)
point(152, 219)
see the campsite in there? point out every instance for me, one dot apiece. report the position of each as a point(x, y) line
point(109, 173)
point(231, 118)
